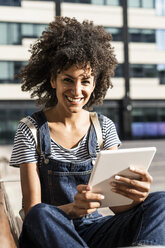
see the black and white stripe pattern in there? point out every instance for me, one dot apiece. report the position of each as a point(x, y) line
point(24, 150)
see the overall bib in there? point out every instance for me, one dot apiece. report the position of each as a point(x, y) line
point(48, 226)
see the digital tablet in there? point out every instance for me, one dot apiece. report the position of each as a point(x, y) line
point(117, 162)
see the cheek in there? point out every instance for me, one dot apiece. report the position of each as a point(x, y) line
point(89, 91)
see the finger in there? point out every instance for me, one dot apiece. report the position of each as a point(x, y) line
point(80, 212)
point(140, 185)
point(87, 205)
point(132, 194)
point(81, 187)
point(144, 174)
point(88, 196)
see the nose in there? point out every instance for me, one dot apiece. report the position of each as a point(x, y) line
point(76, 89)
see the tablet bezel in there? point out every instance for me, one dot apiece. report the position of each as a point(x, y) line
point(116, 162)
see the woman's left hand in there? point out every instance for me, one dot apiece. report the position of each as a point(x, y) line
point(135, 189)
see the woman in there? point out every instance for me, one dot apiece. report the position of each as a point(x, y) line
point(69, 70)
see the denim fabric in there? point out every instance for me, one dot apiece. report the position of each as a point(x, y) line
point(48, 226)
point(142, 225)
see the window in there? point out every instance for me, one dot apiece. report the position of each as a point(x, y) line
point(160, 7)
point(8, 70)
point(97, 2)
point(134, 3)
point(111, 110)
point(113, 2)
point(12, 33)
point(161, 73)
point(141, 35)
point(141, 3)
point(10, 2)
point(30, 30)
point(160, 38)
point(9, 119)
point(148, 4)
point(148, 122)
point(140, 70)
point(116, 33)
point(119, 71)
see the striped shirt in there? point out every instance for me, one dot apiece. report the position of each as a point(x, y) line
point(24, 149)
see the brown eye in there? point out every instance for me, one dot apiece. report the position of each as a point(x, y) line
point(86, 82)
point(68, 80)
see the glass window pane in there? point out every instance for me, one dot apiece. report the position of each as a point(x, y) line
point(119, 70)
point(39, 28)
point(98, 2)
point(6, 70)
point(148, 35)
point(9, 69)
point(69, 1)
point(10, 33)
point(116, 33)
point(134, 3)
point(113, 2)
point(136, 70)
point(148, 4)
point(27, 30)
point(150, 71)
point(10, 2)
point(134, 35)
point(4, 32)
point(160, 7)
point(161, 73)
point(160, 39)
point(15, 33)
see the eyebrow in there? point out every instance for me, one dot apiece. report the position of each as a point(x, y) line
point(84, 77)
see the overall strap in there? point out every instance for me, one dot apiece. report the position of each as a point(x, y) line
point(34, 131)
point(98, 130)
point(42, 135)
point(42, 141)
point(95, 134)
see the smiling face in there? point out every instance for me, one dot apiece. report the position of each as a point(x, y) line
point(73, 88)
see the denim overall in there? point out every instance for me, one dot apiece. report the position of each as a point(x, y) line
point(48, 226)
point(59, 179)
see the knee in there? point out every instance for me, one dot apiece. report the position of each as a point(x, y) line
point(156, 200)
point(37, 212)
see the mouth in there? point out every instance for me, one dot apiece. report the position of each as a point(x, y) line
point(75, 100)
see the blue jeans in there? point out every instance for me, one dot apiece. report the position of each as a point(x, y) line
point(49, 227)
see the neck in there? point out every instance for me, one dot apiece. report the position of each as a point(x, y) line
point(68, 119)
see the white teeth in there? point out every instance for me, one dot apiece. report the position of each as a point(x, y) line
point(73, 99)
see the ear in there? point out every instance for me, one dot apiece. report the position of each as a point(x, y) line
point(53, 82)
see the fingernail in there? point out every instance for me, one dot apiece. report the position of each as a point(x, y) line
point(102, 197)
point(132, 168)
point(117, 177)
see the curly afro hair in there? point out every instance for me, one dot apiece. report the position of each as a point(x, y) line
point(68, 42)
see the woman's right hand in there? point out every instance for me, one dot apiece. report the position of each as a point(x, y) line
point(85, 202)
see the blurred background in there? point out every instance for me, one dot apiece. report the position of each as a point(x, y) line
point(136, 103)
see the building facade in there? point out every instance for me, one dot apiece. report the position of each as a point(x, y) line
point(21, 22)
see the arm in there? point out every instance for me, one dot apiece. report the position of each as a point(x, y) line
point(30, 184)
